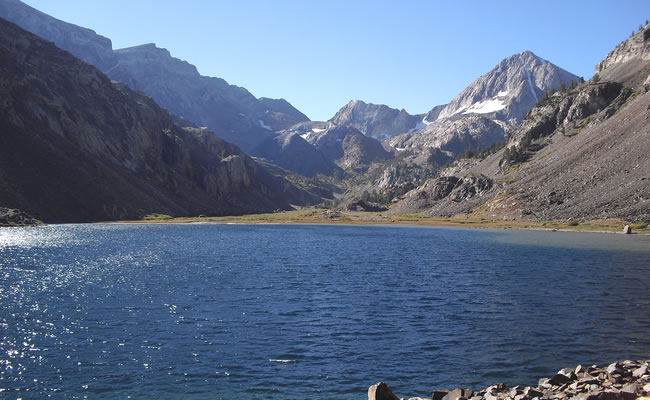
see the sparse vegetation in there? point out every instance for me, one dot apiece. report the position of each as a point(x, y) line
point(157, 217)
point(585, 121)
point(572, 223)
point(640, 225)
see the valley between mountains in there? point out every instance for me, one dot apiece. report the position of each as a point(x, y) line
point(91, 133)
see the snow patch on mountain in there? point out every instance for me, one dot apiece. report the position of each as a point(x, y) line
point(263, 125)
point(530, 84)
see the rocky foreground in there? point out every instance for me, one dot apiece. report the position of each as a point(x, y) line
point(622, 380)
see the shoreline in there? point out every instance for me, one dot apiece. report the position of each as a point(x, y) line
point(328, 217)
point(620, 380)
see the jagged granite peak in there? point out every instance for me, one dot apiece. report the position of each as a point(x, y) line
point(231, 112)
point(81, 42)
point(283, 106)
point(78, 147)
point(509, 90)
point(377, 120)
point(627, 63)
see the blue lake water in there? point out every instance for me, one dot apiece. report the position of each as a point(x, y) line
point(309, 312)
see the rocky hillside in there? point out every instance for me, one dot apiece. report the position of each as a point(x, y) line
point(230, 111)
point(77, 147)
point(581, 154)
point(377, 120)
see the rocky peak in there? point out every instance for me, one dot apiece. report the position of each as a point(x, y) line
point(81, 42)
point(377, 120)
point(283, 106)
point(509, 90)
point(152, 55)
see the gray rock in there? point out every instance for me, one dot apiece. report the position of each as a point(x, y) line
point(615, 366)
point(611, 396)
point(439, 394)
point(531, 392)
point(381, 391)
point(630, 388)
point(458, 393)
point(559, 379)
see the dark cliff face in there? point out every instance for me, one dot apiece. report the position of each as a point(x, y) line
point(76, 147)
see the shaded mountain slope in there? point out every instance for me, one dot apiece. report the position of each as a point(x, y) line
point(76, 147)
point(289, 150)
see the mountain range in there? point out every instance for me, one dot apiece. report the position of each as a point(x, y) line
point(157, 134)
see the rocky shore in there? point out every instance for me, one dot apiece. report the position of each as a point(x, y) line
point(621, 380)
point(15, 217)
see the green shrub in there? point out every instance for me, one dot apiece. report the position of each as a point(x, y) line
point(640, 225)
point(572, 223)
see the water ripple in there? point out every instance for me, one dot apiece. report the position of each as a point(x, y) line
point(293, 312)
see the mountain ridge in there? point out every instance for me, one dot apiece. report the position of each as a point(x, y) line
point(77, 147)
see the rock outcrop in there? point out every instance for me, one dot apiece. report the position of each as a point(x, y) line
point(446, 195)
point(77, 147)
point(15, 217)
point(628, 62)
point(624, 380)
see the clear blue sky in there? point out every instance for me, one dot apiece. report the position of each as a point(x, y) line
point(320, 54)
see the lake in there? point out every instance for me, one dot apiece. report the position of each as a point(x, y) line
point(309, 312)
